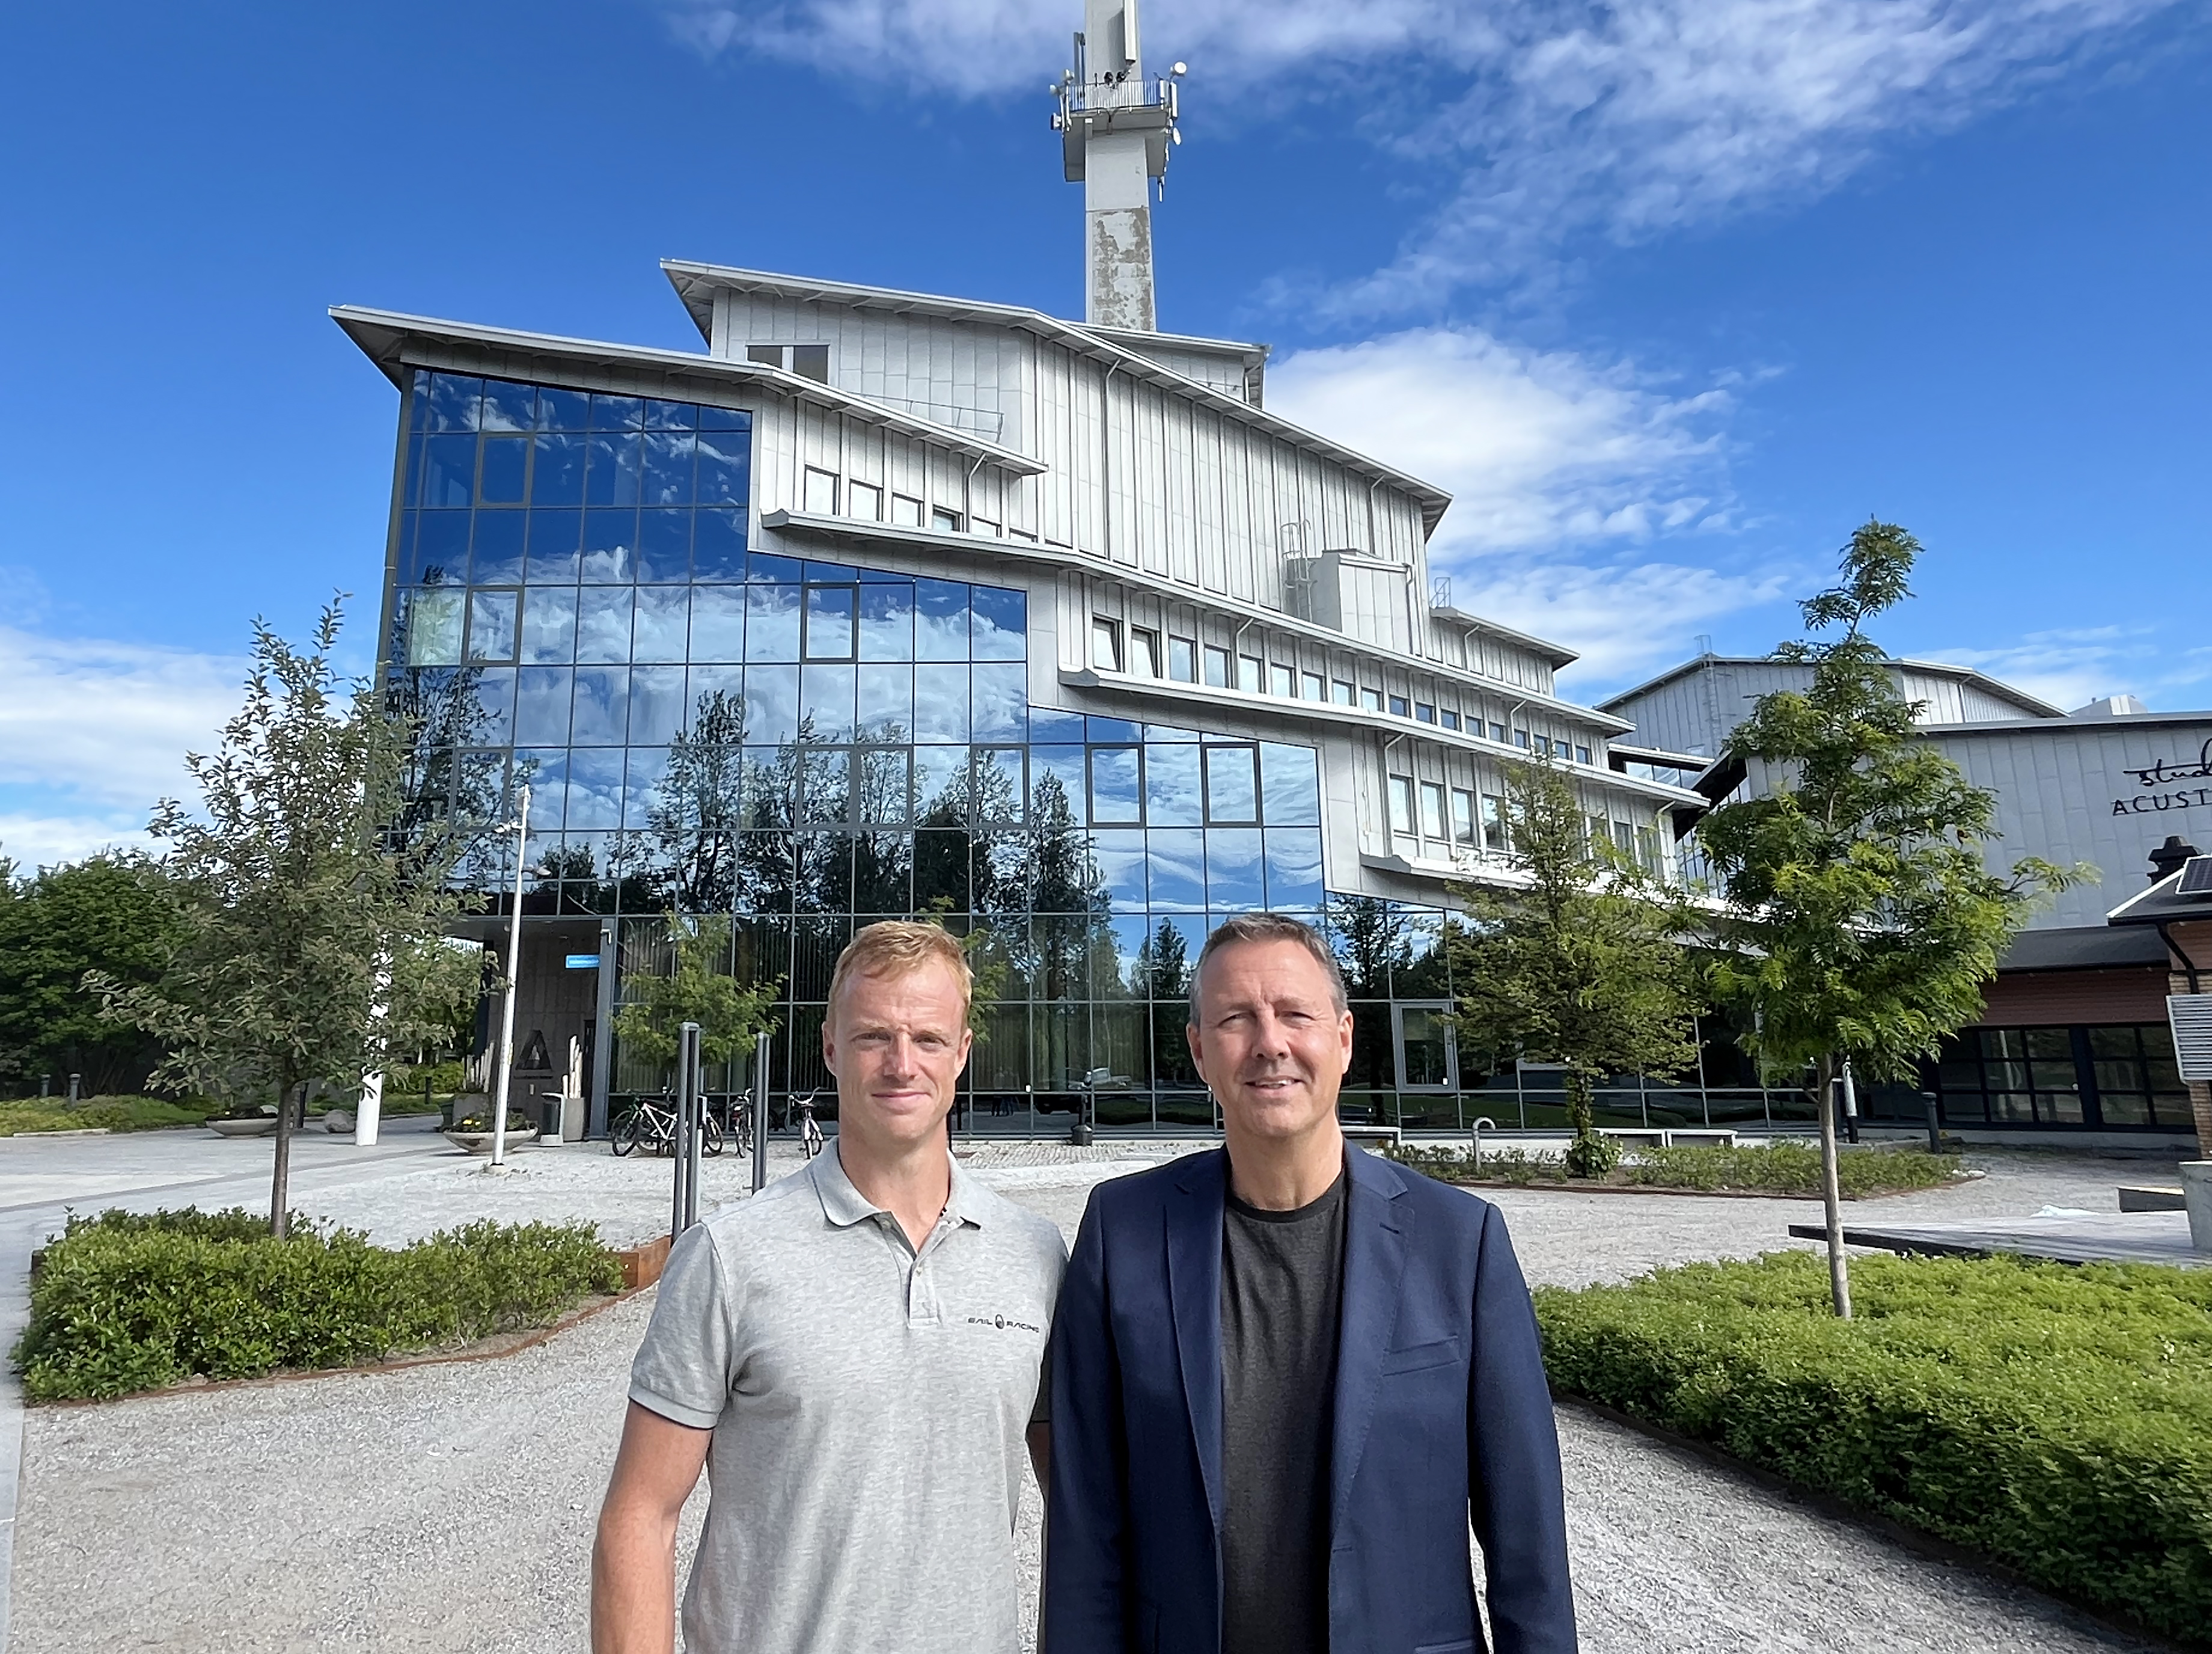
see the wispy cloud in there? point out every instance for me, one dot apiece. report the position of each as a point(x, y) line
point(2074, 666)
point(92, 731)
point(1569, 475)
point(1535, 123)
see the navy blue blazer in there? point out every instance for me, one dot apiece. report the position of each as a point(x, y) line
point(1442, 1416)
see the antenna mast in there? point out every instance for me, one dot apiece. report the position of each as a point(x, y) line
point(1115, 134)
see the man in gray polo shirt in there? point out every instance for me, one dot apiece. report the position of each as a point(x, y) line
point(855, 1355)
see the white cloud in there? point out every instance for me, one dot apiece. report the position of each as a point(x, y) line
point(2071, 667)
point(93, 731)
point(1536, 122)
point(1565, 472)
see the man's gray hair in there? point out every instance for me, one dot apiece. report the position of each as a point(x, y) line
point(1270, 928)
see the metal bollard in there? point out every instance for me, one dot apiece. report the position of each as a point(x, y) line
point(1933, 1104)
point(1483, 1123)
point(686, 1211)
point(760, 1113)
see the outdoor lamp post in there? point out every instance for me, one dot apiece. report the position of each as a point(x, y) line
point(520, 828)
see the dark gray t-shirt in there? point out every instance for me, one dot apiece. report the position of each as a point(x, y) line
point(1282, 1285)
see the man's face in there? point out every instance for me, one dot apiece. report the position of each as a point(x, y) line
point(1270, 1042)
point(896, 1043)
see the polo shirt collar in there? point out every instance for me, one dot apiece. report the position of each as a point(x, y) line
point(844, 1206)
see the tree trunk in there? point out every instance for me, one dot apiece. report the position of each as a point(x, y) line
point(280, 1216)
point(1832, 1198)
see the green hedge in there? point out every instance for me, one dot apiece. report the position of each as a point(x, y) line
point(38, 1113)
point(2054, 1417)
point(1775, 1169)
point(125, 1302)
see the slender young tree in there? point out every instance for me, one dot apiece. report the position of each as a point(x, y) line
point(1582, 967)
point(310, 950)
point(1860, 918)
point(697, 987)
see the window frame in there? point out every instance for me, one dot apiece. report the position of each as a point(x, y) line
point(1106, 631)
point(1182, 651)
point(1398, 805)
point(1145, 651)
point(809, 476)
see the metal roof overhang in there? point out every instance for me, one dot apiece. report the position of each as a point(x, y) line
point(2034, 705)
point(912, 541)
point(696, 284)
point(1558, 653)
point(396, 342)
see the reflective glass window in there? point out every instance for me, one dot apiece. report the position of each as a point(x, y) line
point(1582, 755)
point(1520, 739)
point(418, 400)
point(1111, 731)
point(1056, 786)
point(1000, 623)
point(609, 545)
point(1232, 784)
point(883, 710)
point(1282, 680)
point(1000, 696)
point(712, 418)
point(906, 511)
point(1291, 775)
point(1371, 700)
point(1424, 712)
point(1249, 673)
point(1116, 799)
point(825, 785)
point(1462, 814)
point(864, 501)
point(940, 703)
point(1399, 707)
point(611, 466)
point(1001, 785)
point(563, 411)
point(717, 622)
point(882, 789)
point(491, 625)
point(1217, 667)
point(595, 786)
point(1340, 692)
point(455, 402)
point(449, 472)
point(1432, 811)
point(944, 521)
point(621, 413)
point(1313, 687)
point(433, 628)
point(1450, 718)
point(940, 786)
point(541, 710)
point(826, 692)
point(940, 626)
point(496, 549)
point(1401, 804)
point(818, 492)
point(1105, 644)
point(723, 467)
point(811, 361)
point(506, 470)
point(771, 703)
point(718, 545)
point(829, 616)
point(1176, 866)
point(554, 536)
point(549, 625)
point(1294, 876)
point(662, 625)
point(1234, 877)
point(1498, 732)
point(657, 705)
point(602, 615)
point(887, 622)
point(1117, 863)
point(772, 623)
point(664, 545)
point(646, 770)
point(1173, 797)
point(1183, 659)
point(669, 415)
point(600, 712)
point(441, 547)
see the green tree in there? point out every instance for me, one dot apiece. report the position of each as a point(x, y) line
point(1860, 919)
point(113, 913)
point(1581, 967)
point(310, 950)
point(697, 987)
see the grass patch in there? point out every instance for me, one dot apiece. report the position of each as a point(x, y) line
point(1775, 1169)
point(2056, 1418)
point(125, 1302)
point(38, 1113)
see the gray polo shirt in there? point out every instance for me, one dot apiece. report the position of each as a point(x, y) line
point(868, 1404)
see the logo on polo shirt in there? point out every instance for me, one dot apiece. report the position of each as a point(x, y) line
point(1001, 1323)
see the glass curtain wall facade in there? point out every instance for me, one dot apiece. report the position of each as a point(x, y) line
point(802, 747)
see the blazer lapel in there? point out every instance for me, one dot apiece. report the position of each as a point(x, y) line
point(1375, 1236)
point(1193, 1245)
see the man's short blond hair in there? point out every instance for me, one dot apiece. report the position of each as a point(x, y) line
point(898, 948)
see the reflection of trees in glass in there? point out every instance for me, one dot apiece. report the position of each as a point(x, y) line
point(1066, 896)
point(440, 707)
point(696, 986)
point(1371, 940)
point(695, 822)
point(1162, 973)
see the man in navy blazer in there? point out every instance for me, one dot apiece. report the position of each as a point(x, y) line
point(1287, 1375)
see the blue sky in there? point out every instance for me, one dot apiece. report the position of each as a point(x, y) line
point(1670, 295)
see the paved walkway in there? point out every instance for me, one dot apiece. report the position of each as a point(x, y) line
point(450, 1507)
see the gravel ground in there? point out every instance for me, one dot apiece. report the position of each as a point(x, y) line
point(450, 1507)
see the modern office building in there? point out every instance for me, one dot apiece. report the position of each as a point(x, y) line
point(883, 604)
point(2073, 1038)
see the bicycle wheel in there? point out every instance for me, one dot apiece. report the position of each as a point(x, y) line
point(710, 1134)
point(741, 1129)
point(810, 1139)
point(624, 1135)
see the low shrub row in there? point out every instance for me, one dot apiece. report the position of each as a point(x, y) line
point(125, 1302)
point(38, 1113)
point(2056, 1418)
point(1773, 1168)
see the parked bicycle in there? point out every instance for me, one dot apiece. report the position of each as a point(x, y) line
point(655, 1126)
point(737, 1120)
point(809, 1130)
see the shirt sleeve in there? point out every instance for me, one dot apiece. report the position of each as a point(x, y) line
point(683, 1368)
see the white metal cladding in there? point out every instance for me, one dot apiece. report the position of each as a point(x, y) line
point(2190, 1016)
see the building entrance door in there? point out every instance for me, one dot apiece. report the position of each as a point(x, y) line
point(1428, 1058)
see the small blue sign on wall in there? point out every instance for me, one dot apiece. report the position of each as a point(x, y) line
point(583, 961)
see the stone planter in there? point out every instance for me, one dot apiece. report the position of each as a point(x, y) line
point(479, 1142)
point(249, 1126)
point(2196, 1195)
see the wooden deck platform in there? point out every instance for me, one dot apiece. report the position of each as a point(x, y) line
point(2117, 1238)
